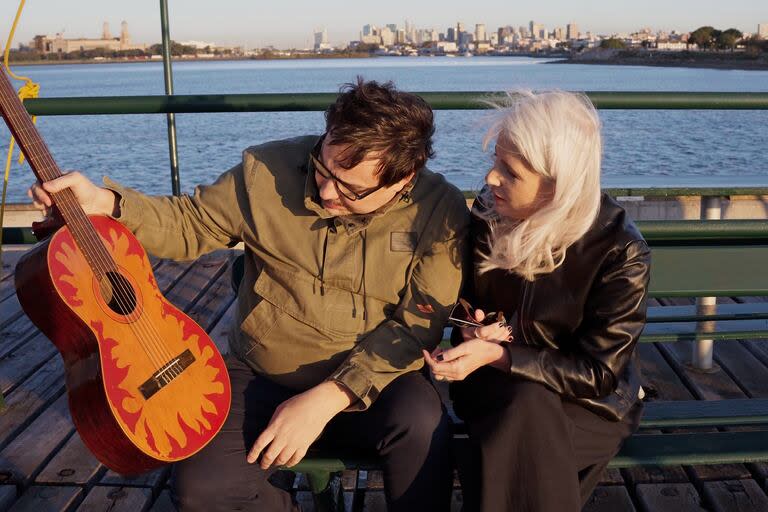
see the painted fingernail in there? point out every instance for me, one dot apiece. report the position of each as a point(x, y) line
point(439, 357)
point(510, 338)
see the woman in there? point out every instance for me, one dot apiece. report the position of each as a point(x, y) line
point(549, 395)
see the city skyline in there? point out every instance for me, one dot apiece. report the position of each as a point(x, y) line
point(244, 24)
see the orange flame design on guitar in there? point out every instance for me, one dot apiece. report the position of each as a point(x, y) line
point(146, 384)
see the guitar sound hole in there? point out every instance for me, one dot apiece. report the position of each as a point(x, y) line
point(119, 294)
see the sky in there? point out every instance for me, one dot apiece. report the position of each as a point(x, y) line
point(289, 24)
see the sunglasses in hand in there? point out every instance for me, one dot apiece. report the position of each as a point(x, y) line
point(463, 315)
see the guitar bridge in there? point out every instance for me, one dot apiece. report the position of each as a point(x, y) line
point(166, 374)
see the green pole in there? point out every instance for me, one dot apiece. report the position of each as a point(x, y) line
point(172, 149)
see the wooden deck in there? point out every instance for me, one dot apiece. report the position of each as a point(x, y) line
point(45, 467)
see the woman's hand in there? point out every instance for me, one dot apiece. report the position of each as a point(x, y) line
point(94, 200)
point(496, 332)
point(458, 362)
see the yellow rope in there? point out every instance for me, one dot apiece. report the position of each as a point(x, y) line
point(30, 89)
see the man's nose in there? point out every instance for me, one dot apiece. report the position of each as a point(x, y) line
point(327, 189)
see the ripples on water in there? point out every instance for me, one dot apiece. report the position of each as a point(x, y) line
point(642, 147)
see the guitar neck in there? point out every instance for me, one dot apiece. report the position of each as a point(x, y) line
point(44, 166)
point(24, 131)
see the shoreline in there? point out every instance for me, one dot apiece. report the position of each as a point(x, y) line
point(737, 61)
point(69, 62)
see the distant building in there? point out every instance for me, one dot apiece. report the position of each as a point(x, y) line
point(572, 31)
point(321, 40)
point(451, 35)
point(762, 30)
point(537, 31)
point(59, 44)
point(560, 34)
point(480, 32)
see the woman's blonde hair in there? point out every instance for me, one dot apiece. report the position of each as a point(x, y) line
point(557, 134)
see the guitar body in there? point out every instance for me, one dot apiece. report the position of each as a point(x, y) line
point(146, 384)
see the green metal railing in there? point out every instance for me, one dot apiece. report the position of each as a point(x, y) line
point(302, 102)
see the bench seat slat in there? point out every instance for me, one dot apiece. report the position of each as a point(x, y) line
point(691, 413)
point(748, 311)
point(692, 449)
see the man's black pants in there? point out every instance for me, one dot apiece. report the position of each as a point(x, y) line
point(407, 427)
point(530, 450)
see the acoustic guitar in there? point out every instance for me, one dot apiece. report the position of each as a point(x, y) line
point(146, 384)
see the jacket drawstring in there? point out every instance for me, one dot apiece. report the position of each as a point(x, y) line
point(365, 306)
point(322, 265)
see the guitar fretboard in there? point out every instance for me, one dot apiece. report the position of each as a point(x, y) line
point(44, 166)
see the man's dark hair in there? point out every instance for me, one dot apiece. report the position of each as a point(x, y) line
point(377, 118)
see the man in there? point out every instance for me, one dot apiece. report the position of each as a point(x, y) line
point(353, 254)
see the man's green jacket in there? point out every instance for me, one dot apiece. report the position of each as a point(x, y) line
point(353, 299)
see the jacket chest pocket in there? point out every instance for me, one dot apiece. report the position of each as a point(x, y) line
point(337, 313)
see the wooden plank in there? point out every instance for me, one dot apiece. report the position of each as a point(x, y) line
point(116, 499)
point(733, 495)
point(170, 272)
point(15, 333)
point(163, 503)
point(374, 501)
point(22, 459)
point(666, 497)
point(48, 499)
point(220, 332)
point(153, 479)
point(31, 397)
point(607, 498)
point(611, 476)
point(22, 362)
point(10, 310)
point(215, 298)
point(11, 256)
point(73, 465)
point(7, 496)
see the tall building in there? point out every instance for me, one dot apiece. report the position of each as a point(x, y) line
point(451, 35)
point(460, 34)
point(572, 31)
point(125, 38)
point(762, 30)
point(321, 39)
point(537, 30)
point(105, 34)
point(559, 34)
point(480, 32)
point(387, 36)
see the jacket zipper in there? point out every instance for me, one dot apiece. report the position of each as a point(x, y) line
point(522, 311)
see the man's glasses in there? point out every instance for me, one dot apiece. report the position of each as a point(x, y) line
point(342, 188)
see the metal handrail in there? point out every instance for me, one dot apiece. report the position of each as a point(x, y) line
point(298, 102)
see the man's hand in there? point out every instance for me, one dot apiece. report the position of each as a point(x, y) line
point(94, 200)
point(458, 362)
point(297, 423)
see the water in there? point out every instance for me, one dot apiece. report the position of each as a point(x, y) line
point(642, 148)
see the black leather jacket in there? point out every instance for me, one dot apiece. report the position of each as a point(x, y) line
point(576, 328)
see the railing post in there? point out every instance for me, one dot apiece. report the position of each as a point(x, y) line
point(172, 149)
point(703, 349)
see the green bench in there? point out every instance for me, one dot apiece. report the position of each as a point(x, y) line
point(689, 259)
